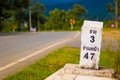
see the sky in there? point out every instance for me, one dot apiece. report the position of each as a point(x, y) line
point(95, 8)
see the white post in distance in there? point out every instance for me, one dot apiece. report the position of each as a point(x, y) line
point(91, 44)
point(30, 22)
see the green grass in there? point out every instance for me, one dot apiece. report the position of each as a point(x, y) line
point(56, 60)
point(48, 65)
point(107, 58)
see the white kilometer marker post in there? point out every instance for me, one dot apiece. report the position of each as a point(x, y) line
point(91, 44)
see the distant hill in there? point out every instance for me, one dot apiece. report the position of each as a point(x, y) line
point(95, 8)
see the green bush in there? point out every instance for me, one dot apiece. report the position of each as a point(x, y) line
point(107, 24)
point(6, 26)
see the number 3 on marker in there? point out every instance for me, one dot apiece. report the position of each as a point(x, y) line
point(92, 39)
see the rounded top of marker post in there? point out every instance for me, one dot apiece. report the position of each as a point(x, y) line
point(94, 24)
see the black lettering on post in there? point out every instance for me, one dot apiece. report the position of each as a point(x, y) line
point(92, 55)
point(94, 31)
point(86, 55)
point(92, 39)
point(90, 31)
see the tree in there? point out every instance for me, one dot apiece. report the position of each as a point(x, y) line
point(60, 19)
point(110, 8)
point(63, 20)
point(115, 9)
point(5, 7)
point(53, 19)
point(37, 13)
point(77, 11)
point(75, 14)
point(57, 20)
point(9, 8)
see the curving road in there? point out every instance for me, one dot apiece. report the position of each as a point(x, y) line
point(19, 49)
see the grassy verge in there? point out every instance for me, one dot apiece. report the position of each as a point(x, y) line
point(48, 65)
point(56, 60)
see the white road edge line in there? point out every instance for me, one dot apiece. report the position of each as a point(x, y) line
point(31, 55)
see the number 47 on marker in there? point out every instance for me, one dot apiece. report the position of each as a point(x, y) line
point(86, 56)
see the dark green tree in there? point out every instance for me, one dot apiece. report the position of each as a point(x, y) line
point(37, 14)
point(63, 20)
point(57, 20)
point(114, 9)
point(76, 14)
point(77, 11)
point(110, 8)
point(9, 8)
point(52, 23)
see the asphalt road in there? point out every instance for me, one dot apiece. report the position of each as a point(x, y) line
point(23, 48)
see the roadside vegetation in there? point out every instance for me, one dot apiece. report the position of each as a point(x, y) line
point(57, 59)
point(31, 15)
point(112, 38)
point(15, 16)
point(48, 65)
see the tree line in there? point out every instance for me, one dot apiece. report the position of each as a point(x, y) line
point(14, 16)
